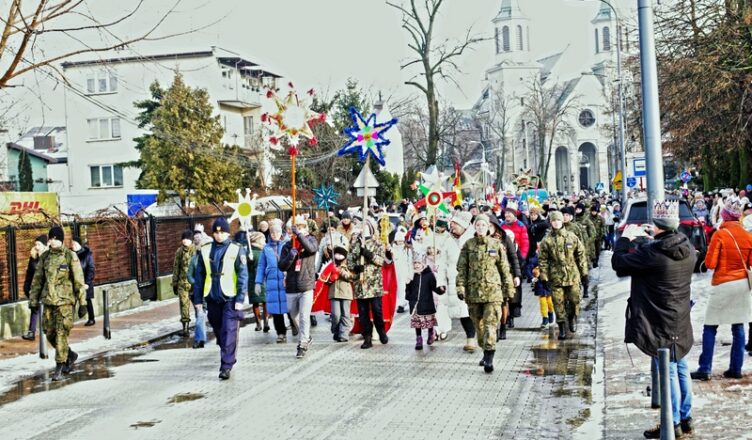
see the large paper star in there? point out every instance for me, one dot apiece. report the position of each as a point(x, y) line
point(292, 119)
point(448, 195)
point(245, 209)
point(433, 178)
point(366, 136)
point(325, 197)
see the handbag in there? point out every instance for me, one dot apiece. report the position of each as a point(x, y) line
point(747, 269)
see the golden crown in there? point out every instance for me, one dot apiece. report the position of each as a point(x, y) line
point(665, 209)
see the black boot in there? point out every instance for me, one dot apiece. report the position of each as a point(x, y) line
point(747, 347)
point(366, 343)
point(502, 333)
point(573, 324)
point(510, 322)
point(58, 374)
point(184, 332)
point(72, 357)
point(562, 331)
point(585, 293)
point(314, 321)
point(488, 356)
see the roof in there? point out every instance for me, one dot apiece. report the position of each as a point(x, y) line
point(567, 90)
point(31, 152)
point(139, 59)
point(43, 131)
point(604, 13)
point(549, 62)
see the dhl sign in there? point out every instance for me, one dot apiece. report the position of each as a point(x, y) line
point(29, 207)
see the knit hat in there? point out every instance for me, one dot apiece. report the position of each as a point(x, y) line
point(482, 218)
point(345, 215)
point(221, 225)
point(732, 209)
point(57, 233)
point(555, 216)
point(258, 240)
point(580, 206)
point(666, 214)
point(42, 239)
point(187, 235)
point(568, 210)
point(464, 219)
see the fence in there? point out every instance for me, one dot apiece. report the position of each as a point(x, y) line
point(140, 249)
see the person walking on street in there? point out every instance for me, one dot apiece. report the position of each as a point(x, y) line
point(730, 254)
point(483, 280)
point(419, 294)
point(658, 309)
point(40, 247)
point(222, 280)
point(199, 330)
point(258, 299)
point(86, 258)
point(180, 285)
point(298, 261)
point(563, 266)
point(58, 283)
point(271, 281)
point(340, 286)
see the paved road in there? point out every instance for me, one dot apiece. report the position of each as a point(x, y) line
point(539, 389)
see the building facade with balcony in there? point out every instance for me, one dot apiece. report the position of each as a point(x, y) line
point(101, 118)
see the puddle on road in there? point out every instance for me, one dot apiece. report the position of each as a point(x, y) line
point(185, 397)
point(148, 424)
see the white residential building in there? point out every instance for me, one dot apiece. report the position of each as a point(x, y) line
point(101, 116)
point(584, 152)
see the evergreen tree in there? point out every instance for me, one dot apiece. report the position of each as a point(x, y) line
point(25, 175)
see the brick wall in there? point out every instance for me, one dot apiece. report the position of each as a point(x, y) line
point(111, 252)
point(168, 242)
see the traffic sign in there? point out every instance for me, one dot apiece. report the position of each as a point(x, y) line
point(640, 168)
point(631, 182)
point(599, 186)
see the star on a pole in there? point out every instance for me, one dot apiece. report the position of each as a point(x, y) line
point(245, 209)
point(366, 136)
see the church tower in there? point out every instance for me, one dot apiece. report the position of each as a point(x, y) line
point(511, 33)
point(604, 34)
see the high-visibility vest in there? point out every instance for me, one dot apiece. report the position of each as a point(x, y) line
point(228, 278)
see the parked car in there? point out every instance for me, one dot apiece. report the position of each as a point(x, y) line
point(636, 213)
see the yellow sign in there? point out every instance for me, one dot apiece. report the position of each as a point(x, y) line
point(617, 181)
point(28, 207)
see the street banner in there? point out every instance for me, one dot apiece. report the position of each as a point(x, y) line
point(28, 207)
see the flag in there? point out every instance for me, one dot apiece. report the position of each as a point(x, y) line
point(457, 185)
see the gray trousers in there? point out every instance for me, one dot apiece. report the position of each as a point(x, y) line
point(299, 307)
point(341, 321)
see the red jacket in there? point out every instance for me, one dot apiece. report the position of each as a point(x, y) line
point(520, 236)
point(724, 257)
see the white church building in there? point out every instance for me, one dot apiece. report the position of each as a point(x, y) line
point(583, 153)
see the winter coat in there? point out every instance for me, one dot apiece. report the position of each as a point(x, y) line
point(537, 231)
point(86, 257)
point(30, 269)
point(372, 285)
point(421, 290)
point(254, 298)
point(657, 314)
point(300, 267)
point(520, 236)
point(273, 279)
point(341, 287)
point(483, 274)
point(723, 255)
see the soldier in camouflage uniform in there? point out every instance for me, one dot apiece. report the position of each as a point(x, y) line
point(583, 219)
point(180, 285)
point(368, 281)
point(600, 232)
point(58, 283)
point(483, 281)
point(563, 265)
point(581, 232)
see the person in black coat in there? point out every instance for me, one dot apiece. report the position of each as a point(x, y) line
point(658, 309)
point(513, 257)
point(419, 294)
point(40, 246)
point(86, 258)
point(536, 231)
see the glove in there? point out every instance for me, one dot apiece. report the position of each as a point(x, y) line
point(81, 311)
point(585, 280)
point(461, 296)
point(257, 289)
point(441, 290)
point(293, 252)
point(358, 268)
point(368, 255)
point(294, 230)
point(389, 255)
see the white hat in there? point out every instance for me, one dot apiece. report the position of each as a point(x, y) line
point(464, 219)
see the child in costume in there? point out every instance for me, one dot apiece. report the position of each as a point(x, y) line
point(543, 294)
point(419, 294)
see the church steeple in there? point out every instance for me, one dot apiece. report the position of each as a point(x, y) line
point(604, 31)
point(512, 32)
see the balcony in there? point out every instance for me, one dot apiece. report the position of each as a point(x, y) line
point(240, 95)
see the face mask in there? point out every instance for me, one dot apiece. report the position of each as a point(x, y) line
point(76, 247)
point(39, 247)
point(54, 243)
point(481, 228)
point(339, 257)
point(187, 242)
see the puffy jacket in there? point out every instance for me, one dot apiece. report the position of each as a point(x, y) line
point(300, 279)
point(657, 314)
point(269, 275)
point(520, 236)
point(723, 255)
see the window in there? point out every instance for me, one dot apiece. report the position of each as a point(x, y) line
point(104, 128)
point(247, 125)
point(505, 38)
point(587, 118)
point(606, 39)
point(597, 42)
point(106, 176)
point(520, 46)
point(102, 81)
point(498, 41)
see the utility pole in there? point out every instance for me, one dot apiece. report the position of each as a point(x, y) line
point(650, 106)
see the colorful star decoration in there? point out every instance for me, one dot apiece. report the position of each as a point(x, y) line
point(292, 119)
point(325, 197)
point(244, 209)
point(366, 136)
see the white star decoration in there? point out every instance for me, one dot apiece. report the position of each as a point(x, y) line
point(245, 209)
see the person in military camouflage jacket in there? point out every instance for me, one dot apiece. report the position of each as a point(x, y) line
point(58, 283)
point(180, 285)
point(483, 281)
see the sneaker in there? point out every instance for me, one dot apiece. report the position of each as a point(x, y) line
point(198, 344)
point(281, 339)
point(400, 309)
point(89, 323)
point(699, 375)
point(224, 374)
point(301, 353)
point(728, 374)
point(544, 324)
point(341, 339)
point(656, 432)
point(469, 345)
point(686, 426)
point(29, 336)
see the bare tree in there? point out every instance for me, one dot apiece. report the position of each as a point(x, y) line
point(27, 27)
point(437, 61)
point(499, 121)
point(547, 107)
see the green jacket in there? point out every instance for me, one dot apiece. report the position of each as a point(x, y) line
point(180, 280)
point(370, 283)
point(562, 258)
point(579, 231)
point(58, 280)
point(483, 274)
